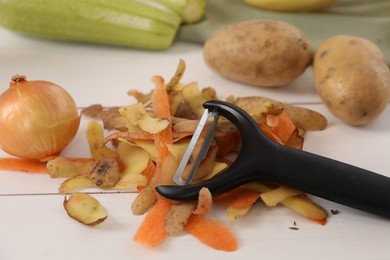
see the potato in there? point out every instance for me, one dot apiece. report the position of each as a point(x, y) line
point(259, 52)
point(352, 78)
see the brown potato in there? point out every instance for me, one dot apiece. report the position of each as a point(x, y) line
point(259, 52)
point(352, 78)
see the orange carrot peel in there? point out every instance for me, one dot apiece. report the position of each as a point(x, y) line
point(22, 165)
point(212, 233)
point(152, 229)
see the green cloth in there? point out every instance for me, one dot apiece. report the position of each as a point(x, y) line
point(364, 18)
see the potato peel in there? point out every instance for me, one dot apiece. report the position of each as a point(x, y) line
point(61, 167)
point(307, 208)
point(233, 213)
point(105, 172)
point(177, 217)
point(138, 119)
point(95, 138)
point(135, 160)
point(76, 183)
point(274, 197)
point(205, 202)
point(85, 209)
point(144, 201)
point(193, 97)
point(307, 119)
point(153, 125)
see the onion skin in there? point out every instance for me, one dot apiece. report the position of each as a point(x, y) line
point(38, 119)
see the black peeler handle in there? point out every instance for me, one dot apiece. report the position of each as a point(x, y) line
point(262, 159)
point(323, 177)
point(333, 180)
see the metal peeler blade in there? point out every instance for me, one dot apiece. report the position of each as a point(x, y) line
point(202, 153)
point(261, 159)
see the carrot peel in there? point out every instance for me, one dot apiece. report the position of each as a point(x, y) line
point(22, 165)
point(212, 233)
point(152, 230)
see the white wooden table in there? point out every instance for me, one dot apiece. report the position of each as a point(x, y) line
point(34, 225)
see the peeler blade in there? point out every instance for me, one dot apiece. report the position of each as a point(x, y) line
point(202, 153)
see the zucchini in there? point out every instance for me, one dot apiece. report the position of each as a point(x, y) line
point(143, 24)
point(191, 11)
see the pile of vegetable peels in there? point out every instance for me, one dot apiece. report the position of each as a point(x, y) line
point(137, 147)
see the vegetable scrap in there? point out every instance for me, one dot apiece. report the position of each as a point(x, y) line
point(61, 167)
point(205, 202)
point(22, 165)
point(85, 209)
point(139, 146)
point(105, 172)
point(152, 231)
point(212, 233)
point(177, 216)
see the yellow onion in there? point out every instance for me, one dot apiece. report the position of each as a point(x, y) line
point(38, 119)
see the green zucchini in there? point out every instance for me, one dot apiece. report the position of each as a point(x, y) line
point(136, 23)
point(191, 11)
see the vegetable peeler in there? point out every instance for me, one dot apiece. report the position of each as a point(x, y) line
point(261, 159)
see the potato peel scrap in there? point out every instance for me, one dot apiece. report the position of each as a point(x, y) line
point(105, 172)
point(300, 203)
point(135, 161)
point(302, 117)
point(109, 116)
point(95, 139)
point(177, 76)
point(136, 116)
point(193, 97)
point(307, 208)
point(75, 184)
point(145, 199)
point(60, 167)
point(85, 209)
point(153, 125)
point(92, 111)
point(274, 197)
point(233, 213)
point(177, 217)
point(127, 135)
point(130, 182)
point(148, 146)
point(205, 202)
point(134, 158)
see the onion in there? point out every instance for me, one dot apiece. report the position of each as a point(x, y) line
point(38, 119)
